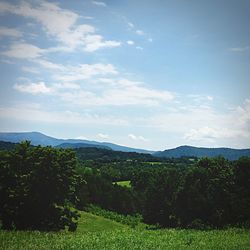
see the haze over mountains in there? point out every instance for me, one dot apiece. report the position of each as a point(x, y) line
point(37, 138)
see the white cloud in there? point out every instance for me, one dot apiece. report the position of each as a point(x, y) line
point(139, 48)
point(30, 70)
point(205, 125)
point(131, 25)
point(111, 92)
point(62, 25)
point(85, 71)
point(129, 42)
point(120, 92)
point(67, 85)
point(240, 49)
point(202, 134)
point(81, 137)
point(132, 136)
point(137, 138)
point(103, 136)
point(33, 88)
point(23, 51)
point(95, 42)
point(10, 32)
point(201, 99)
point(49, 65)
point(140, 32)
point(98, 3)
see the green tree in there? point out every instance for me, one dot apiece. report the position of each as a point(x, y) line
point(37, 188)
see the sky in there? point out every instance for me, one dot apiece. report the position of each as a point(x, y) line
point(149, 74)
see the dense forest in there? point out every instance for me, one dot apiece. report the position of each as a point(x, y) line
point(41, 185)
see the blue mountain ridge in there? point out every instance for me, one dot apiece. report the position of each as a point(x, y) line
point(37, 138)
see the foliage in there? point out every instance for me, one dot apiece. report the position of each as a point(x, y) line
point(99, 189)
point(214, 193)
point(37, 187)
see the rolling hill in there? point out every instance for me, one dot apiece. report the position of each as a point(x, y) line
point(228, 153)
point(37, 138)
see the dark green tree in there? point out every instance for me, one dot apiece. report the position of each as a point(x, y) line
point(37, 188)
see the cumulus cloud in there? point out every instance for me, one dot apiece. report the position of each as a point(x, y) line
point(129, 42)
point(103, 136)
point(61, 25)
point(206, 125)
point(137, 138)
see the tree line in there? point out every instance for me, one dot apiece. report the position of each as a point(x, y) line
point(40, 186)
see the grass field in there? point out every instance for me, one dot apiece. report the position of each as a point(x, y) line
point(93, 223)
point(123, 183)
point(95, 232)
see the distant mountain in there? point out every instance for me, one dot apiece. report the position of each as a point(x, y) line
point(106, 155)
point(81, 145)
point(37, 138)
point(228, 153)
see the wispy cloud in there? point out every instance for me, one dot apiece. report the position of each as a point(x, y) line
point(85, 71)
point(99, 3)
point(10, 32)
point(37, 114)
point(240, 49)
point(23, 51)
point(140, 32)
point(33, 88)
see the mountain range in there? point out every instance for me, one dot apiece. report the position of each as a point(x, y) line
point(37, 138)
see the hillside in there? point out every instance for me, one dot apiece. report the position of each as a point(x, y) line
point(188, 151)
point(81, 145)
point(37, 138)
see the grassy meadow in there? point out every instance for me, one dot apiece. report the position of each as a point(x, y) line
point(96, 232)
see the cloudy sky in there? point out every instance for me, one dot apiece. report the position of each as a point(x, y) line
point(147, 73)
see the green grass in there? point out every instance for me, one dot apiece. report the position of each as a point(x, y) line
point(95, 232)
point(134, 221)
point(123, 183)
point(127, 239)
point(94, 223)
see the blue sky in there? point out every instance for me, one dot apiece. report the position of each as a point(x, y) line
point(147, 74)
